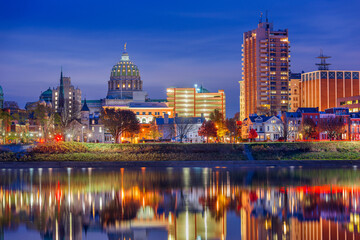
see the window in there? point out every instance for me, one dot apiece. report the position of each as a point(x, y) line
point(100, 129)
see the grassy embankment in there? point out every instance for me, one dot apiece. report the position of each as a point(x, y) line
point(187, 152)
point(306, 151)
point(129, 152)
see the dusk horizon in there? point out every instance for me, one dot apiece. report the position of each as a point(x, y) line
point(173, 45)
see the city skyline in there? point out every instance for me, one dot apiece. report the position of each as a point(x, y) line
point(196, 44)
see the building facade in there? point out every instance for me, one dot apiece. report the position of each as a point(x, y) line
point(125, 79)
point(323, 88)
point(67, 99)
point(195, 102)
point(294, 91)
point(267, 128)
point(352, 103)
point(266, 70)
point(242, 101)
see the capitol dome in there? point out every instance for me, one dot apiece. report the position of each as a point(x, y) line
point(124, 79)
point(124, 68)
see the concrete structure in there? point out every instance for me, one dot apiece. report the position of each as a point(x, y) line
point(265, 70)
point(1, 98)
point(267, 128)
point(294, 91)
point(195, 102)
point(322, 88)
point(67, 99)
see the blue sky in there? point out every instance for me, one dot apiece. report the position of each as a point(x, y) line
point(174, 43)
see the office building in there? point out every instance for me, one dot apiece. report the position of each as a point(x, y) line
point(322, 88)
point(195, 102)
point(265, 70)
point(67, 99)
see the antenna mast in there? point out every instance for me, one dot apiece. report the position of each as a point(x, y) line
point(323, 65)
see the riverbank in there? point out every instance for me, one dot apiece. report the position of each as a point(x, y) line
point(94, 152)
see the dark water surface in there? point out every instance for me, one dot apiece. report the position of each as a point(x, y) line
point(179, 203)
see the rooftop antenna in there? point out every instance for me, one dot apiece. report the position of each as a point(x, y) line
point(260, 20)
point(125, 47)
point(266, 15)
point(323, 65)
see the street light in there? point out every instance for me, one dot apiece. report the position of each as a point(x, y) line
point(82, 133)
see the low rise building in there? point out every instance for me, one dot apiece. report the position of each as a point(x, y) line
point(352, 103)
point(267, 128)
point(173, 128)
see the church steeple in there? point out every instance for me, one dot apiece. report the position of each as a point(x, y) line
point(61, 93)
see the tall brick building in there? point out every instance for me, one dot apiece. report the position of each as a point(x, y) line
point(323, 88)
point(265, 70)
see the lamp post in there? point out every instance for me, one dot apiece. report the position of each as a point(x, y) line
point(82, 134)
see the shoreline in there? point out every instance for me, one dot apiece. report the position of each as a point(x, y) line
point(255, 164)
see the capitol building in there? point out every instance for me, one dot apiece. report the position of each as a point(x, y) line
point(125, 92)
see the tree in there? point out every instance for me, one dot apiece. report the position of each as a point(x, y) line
point(5, 122)
point(287, 129)
point(207, 130)
point(333, 126)
point(232, 127)
point(154, 132)
point(218, 118)
point(119, 122)
point(44, 117)
point(252, 134)
point(183, 126)
point(308, 128)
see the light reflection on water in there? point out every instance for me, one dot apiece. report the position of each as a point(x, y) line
point(179, 203)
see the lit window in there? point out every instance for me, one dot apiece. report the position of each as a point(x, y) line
point(123, 85)
point(100, 130)
point(129, 85)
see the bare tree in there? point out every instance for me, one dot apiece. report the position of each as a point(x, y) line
point(287, 128)
point(308, 128)
point(333, 126)
point(183, 127)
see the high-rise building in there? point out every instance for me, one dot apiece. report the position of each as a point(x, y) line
point(242, 101)
point(294, 91)
point(67, 99)
point(322, 88)
point(195, 102)
point(1, 98)
point(266, 70)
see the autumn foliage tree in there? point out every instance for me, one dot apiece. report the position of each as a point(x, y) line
point(208, 130)
point(252, 134)
point(119, 122)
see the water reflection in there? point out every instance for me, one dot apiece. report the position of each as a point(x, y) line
point(179, 203)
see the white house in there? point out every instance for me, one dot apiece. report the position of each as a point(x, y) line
point(267, 128)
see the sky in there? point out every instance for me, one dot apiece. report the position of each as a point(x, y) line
point(174, 43)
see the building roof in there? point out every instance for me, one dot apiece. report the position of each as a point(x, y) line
point(180, 120)
point(124, 67)
point(147, 105)
point(256, 117)
point(293, 114)
point(85, 107)
point(308, 110)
